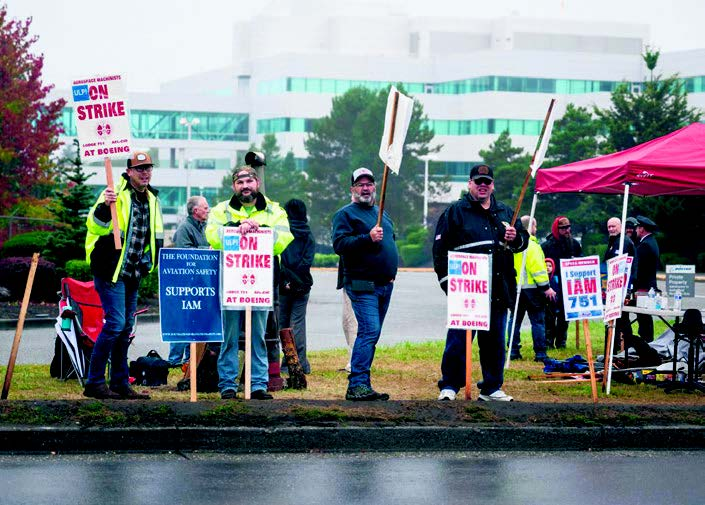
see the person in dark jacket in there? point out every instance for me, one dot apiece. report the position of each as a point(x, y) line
point(190, 234)
point(647, 253)
point(478, 223)
point(560, 244)
point(370, 260)
point(295, 278)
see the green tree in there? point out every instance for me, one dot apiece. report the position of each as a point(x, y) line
point(71, 204)
point(509, 164)
point(348, 138)
point(637, 116)
point(282, 180)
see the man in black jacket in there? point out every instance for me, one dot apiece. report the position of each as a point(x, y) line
point(560, 244)
point(478, 223)
point(370, 261)
point(647, 253)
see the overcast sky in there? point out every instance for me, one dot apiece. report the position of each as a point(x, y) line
point(153, 41)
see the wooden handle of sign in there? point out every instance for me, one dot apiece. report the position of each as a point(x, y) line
point(194, 358)
point(248, 352)
point(524, 186)
point(382, 194)
point(577, 335)
point(390, 139)
point(113, 208)
point(20, 327)
point(468, 364)
point(591, 364)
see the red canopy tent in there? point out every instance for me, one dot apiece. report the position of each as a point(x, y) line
point(670, 165)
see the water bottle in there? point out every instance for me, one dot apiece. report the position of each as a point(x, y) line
point(658, 302)
point(677, 299)
point(652, 298)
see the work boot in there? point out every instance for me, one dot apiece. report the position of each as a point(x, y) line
point(127, 393)
point(100, 392)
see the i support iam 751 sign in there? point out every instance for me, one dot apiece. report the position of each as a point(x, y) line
point(580, 281)
point(469, 290)
point(101, 115)
point(247, 269)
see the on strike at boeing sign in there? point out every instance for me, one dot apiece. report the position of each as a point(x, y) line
point(618, 269)
point(101, 115)
point(580, 281)
point(189, 295)
point(247, 269)
point(469, 291)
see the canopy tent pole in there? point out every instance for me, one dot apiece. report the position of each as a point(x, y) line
point(522, 274)
point(609, 352)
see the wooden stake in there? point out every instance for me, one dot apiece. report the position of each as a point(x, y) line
point(577, 335)
point(113, 208)
point(468, 364)
point(383, 191)
point(194, 359)
point(248, 352)
point(591, 364)
point(20, 327)
point(528, 173)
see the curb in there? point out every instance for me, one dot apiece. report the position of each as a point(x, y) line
point(18, 440)
point(48, 322)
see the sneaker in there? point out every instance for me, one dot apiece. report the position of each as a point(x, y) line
point(364, 393)
point(100, 392)
point(541, 357)
point(261, 394)
point(228, 394)
point(127, 393)
point(447, 395)
point(497, 396)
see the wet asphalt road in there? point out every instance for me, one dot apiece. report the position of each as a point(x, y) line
point(564, 478)
point(417, 313)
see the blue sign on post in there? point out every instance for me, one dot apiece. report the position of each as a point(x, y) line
point(189, 295)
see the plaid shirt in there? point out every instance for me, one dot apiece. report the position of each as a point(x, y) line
point(133, 267)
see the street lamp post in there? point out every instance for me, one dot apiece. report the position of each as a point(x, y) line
point(425, 159)
point(188, 124)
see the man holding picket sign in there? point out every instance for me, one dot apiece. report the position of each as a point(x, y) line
point(235, 226)
point(479, 224)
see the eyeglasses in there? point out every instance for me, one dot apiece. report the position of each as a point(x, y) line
point(143, 168)
point(483, 180)
point(364, 185)
point(564, 227)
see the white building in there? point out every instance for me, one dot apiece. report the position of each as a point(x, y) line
point(475, 78)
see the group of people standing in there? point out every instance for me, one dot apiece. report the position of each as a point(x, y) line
point(364, 238)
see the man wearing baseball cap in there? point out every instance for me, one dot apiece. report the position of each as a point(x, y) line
point(478, 223)
point(647, 253)
point(117, 273)
point(247, 210)
point(369, 257)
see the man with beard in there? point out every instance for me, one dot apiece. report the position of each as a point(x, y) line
point(478, 223)
point(247, 210)
point(647, 253)
point(370, 261)
point(623, 327)
point(560, 244)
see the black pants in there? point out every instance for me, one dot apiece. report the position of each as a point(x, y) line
point(646, 327)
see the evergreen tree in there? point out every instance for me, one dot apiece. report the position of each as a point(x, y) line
point(349, 138)
point(72, 201)
point(510, 165)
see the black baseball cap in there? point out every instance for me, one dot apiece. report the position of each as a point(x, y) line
point(481, 171)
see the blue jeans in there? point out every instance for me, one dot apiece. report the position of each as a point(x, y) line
point(228, 361)
point(176, 353)
point(119, 301)
point(370, 309)
point(531, 301)
point(492, 356)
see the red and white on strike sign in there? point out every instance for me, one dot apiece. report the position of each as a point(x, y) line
point(247, 269)
point(101, 115)
point(469, 291)
point(617, 279)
